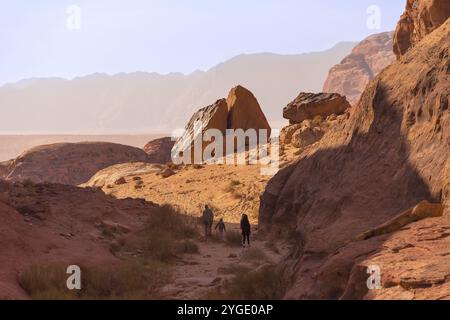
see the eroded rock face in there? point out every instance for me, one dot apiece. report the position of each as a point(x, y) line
point(420, 18)
point(306, 136)
point(414, 263)
point(70, 163)
point(310, 105)
point(287, 133)
point(368, 58)
point(159, 150)
point(390, 155)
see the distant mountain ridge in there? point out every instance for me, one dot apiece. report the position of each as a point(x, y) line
point(150, 102)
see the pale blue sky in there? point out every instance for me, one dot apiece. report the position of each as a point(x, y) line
point(171, 35)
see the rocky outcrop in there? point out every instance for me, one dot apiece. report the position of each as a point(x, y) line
point(126, 172)
point(70, 163)
point(159, 150)
point(390, 155)
point(240, 110)
point(311, 117)
point(421, 211)
point(245, 112)
point(420, 18)
point(350, 77)
point(307, 106)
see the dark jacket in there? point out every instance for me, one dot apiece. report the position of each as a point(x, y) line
point(245, 227)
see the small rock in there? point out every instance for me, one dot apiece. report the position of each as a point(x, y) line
point(120, 181)
point(167, 173)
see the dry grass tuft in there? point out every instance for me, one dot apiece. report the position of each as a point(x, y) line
point(262, 284)
point(130, 280)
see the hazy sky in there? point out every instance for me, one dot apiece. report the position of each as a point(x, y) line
point(41, 39)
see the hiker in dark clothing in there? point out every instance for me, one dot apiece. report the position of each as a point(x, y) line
point(246, 230)
point(208, 220)
point(221, 226)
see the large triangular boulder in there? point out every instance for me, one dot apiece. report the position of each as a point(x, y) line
point(240, 110)
point(244, 111)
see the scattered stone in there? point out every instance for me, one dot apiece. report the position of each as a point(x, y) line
point(120, 181)
point(166, 173)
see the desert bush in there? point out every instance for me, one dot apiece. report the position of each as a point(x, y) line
point(164, 235)
point(130, 280)
point(254, 254)
point(187, 246)
point(230, 188)
point(147, 255)
point(262, 284)
point(173, 222)
point(45, 280)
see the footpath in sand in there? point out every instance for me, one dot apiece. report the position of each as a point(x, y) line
point(197, 275)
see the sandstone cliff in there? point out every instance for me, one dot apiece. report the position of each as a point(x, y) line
point(368, 58)
point(391, 154)
point(419, 19)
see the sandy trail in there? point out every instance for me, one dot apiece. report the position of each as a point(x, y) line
point(197, 274)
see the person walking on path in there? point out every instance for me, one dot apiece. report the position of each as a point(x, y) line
point(208, 220)
point(246, 230)
point(221, 227)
